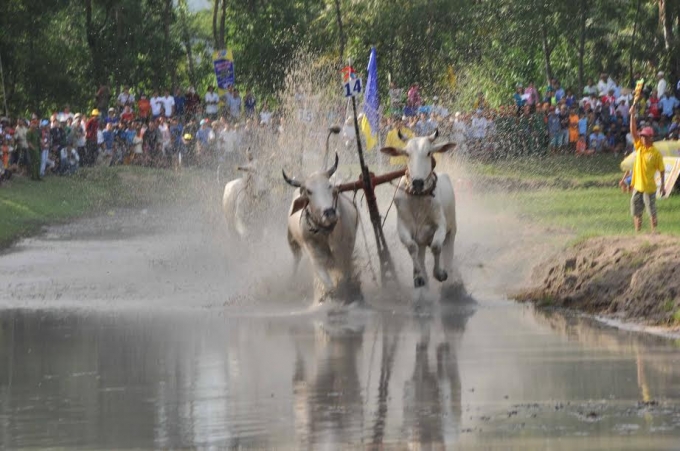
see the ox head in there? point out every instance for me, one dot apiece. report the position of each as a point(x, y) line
point(318, 195)
point(420, 153)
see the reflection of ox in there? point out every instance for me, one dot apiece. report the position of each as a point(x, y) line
point(240, 199)
point(323, 222)
point(426, 207)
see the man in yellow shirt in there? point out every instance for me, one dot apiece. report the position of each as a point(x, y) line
point(392, 140)
point(648, 160)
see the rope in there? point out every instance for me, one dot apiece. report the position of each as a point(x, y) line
point(368, 253)
point(391, 202)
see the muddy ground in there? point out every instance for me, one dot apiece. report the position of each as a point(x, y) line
point(627, 278)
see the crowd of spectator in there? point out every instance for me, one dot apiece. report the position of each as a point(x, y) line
point(161, 130)
point(552, 119)
point(185, 128)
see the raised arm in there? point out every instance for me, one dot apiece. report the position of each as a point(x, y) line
point(633, 122)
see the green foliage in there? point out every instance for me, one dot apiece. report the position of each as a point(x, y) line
point(53, 52)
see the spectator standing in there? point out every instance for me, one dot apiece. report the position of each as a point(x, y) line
point(193, 103)
point(33, 138)
point(265, 114)
point(45, 145)
point(78, 138)
point(648, 160)
point(211, 102)
point(668, 103)
point(112, 118)
point(395, 95)
point(597, 139)
point(127, 116)
point(168, 103)
point(518, 98)
point(249, 104)
point(590, 88)
point(554, 130)
point(234, 104)
point(144, 108)
point(661, 84)
point(180, 102)
point(103, 97)
point(125, 99)
point(91, 128)
point(20, 156)
point(156, 106)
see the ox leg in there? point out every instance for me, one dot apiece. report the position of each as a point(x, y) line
point(297, 253)
point(447, 252)
point(322, 263)
point(407, 240)
point(437, 243)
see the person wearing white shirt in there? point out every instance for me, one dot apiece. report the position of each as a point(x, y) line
point(125, 99)
point(265, 114)
point(168, 102)
point(211, 102)
point(156, 105)
point(661, 85)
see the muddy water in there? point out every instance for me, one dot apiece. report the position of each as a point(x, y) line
point(142, 329)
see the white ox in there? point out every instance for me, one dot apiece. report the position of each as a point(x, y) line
point(240, 198)
point(324, 222)
point(426, 207)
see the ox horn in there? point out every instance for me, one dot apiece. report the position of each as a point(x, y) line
point(291, 182)
point(332, 170)
point(401, 137)
point(434, 135)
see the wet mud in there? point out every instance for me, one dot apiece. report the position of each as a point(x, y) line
point(150, 329)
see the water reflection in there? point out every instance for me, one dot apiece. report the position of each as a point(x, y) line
point(367, 379)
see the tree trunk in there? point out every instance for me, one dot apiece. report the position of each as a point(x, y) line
point(582, 43)
point(91, 36)
point(216, 9)
point(546, 50)
point(223, 20)
point(632, 42)
point(341, 32)
point(666, 19)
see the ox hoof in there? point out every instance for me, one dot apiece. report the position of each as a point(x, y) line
point(419, 281)
point(441, 275)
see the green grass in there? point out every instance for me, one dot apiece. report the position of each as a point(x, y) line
point(579, 195)
point(556, 170)
point(586, 212)
point(26, 205)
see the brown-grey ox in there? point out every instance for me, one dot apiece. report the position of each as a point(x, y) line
point(322, 222)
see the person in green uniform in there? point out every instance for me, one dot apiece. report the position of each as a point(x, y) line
point(33, 136)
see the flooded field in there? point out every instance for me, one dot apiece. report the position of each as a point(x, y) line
point(140, 330)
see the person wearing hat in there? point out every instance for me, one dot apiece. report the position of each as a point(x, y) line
point(112, 118)
point(91, 129)
point(597, 139)
point(648, 161)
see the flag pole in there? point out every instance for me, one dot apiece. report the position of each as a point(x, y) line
point(387, 269)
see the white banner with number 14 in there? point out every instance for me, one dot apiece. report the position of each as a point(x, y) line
point(353, 87)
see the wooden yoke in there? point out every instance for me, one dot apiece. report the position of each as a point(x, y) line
point(375, 180)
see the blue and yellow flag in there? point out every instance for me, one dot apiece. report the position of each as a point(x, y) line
point(370, 123)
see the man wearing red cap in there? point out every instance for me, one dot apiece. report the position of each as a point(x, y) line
point(648, 160)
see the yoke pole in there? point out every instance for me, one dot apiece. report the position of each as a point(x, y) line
point(387, 271)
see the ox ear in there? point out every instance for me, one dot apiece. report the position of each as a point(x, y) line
point(443, 147)
point(393, 151)
point(298, 204)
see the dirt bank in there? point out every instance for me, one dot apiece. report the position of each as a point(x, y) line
point(627, 278)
